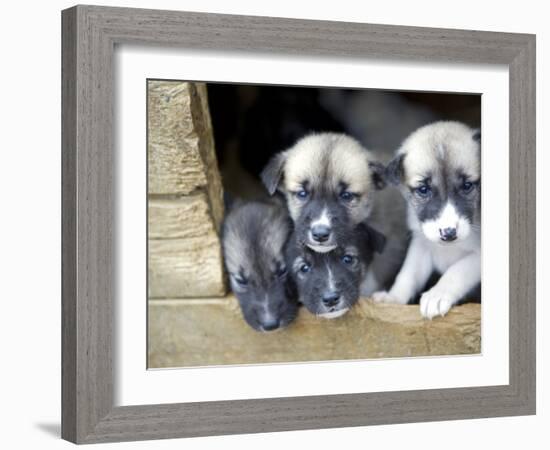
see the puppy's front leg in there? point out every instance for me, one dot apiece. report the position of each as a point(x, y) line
point(414, 274)
point(454, 284)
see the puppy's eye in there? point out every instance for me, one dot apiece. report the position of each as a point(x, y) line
point(347, 196)
point(281, 271)
point(467, 187)
point(423, 191)
point(347, 259)
point(302, 194)
point(241, 281)
point(305, 268)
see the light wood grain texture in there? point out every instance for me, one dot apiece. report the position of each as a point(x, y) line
point(180, 334)
point(185, 206)
point(88, 212)
point(68, 228)
point(180, 217)
point(89, 37)
point(184, 248)
point(189, 267)
point(181, 155)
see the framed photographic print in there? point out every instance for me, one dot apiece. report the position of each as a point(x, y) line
point(277, 224)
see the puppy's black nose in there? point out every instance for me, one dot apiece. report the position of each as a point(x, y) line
point(320, 233)
point(271, 325)
point(331, 298)
point(447, 234)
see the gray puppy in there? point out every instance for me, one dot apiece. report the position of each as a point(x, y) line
point(329, 283)
point(254, 237)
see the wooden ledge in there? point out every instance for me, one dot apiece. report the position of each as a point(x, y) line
point(211, 331)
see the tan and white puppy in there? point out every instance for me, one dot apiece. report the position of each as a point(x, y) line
point(438, 171)
point(328, 181)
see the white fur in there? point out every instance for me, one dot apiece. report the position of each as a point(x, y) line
point(267, 315)
point(321, 248)
point(448, 218)
point(306, 158)
point(323, 219)
point(331, 285)
point(460, 277)
point(346, 160)
point(450, 140)
point(334, 314)
point(460, 265)
point(458, 261)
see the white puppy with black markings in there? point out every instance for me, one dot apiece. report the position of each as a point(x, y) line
point(438, 171)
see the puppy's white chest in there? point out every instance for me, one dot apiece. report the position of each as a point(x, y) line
point(445, 256)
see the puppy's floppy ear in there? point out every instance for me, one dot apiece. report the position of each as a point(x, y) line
point(394, 170)
point(378, 174)
point(376, 239)
point(373, 240)
point(273, 172)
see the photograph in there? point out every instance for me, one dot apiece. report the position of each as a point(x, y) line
point(291, 224)
point(272, 222)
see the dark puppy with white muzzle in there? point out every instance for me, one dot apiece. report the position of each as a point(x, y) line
point(329, 283)
point(254, 237)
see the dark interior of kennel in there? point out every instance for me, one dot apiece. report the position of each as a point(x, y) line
point(252, 123)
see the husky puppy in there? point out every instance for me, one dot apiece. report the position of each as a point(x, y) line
point(331, 184)
point(329, 283)
point(438, 171)
point(254, 237)
point(328, 180)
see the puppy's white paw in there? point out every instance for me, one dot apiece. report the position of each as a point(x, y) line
point(435, 302)
point(384, 297)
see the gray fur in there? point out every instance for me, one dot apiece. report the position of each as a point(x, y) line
point(254, 236)
point(389, 217)
point(326, 165)
point(329, 283)
point(325, 172)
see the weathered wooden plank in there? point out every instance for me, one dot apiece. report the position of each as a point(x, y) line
point(185, 207)
point(181, 153)
point(190, 267)
point(195, 332)
point(183, 217)
point(203, 127)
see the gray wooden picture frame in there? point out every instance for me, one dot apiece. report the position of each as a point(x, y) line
point(89, 37)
